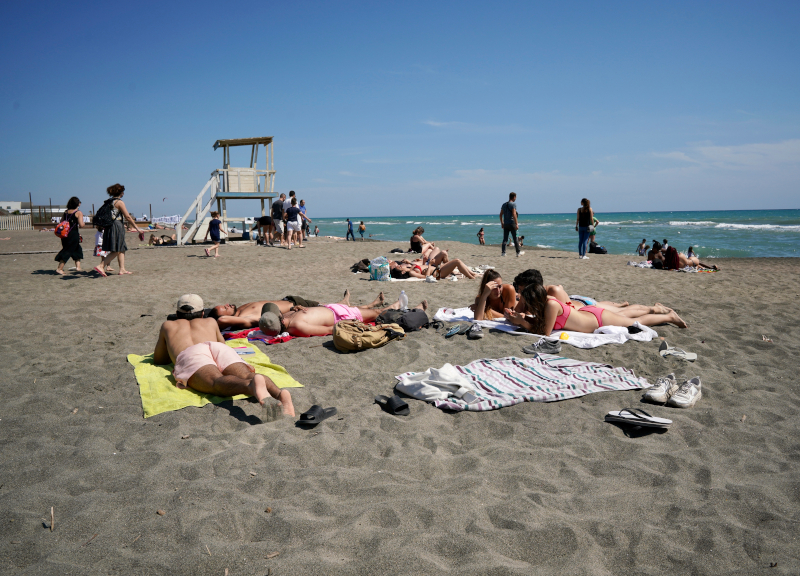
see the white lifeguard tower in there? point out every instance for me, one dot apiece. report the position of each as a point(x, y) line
point(232, 183)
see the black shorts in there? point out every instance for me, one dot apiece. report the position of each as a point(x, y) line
point(265, 220)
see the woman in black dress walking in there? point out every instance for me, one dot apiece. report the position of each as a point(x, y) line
point(71, 245)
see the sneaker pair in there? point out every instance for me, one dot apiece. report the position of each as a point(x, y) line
point(584, 257)
point(667, 390)
point(544, 346)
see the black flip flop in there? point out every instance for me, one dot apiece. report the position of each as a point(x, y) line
point(316, 414)
point(394, 405)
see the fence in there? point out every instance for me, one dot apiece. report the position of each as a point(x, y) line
point(22, 222)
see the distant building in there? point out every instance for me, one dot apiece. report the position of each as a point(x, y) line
point(10, 206)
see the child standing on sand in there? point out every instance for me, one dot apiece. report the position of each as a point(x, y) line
point(213, 229)
point(98, 248)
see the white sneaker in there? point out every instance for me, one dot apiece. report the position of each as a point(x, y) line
point(584, 257)
point(662, 391)
point(686, 396)
point(520, 253)
point(430, 279)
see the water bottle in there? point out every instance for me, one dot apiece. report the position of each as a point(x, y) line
point(403, 300)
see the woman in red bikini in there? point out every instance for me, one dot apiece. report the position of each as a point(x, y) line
point(547, 314)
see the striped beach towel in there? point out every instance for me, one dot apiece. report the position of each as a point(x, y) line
point(489, 384)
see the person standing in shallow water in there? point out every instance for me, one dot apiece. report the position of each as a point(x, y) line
point(582, 224)
point(114, 235)
point(481, 240)
point(71, 245)
point(510, 223)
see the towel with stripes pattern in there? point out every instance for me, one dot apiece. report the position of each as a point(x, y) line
point(490, 384)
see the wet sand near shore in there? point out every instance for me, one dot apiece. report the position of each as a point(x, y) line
point(534, 488)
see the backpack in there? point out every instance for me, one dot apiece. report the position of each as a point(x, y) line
point(354, 336)
point(103, 217)
point(409, 320)
point(360, 266)
point(595, 248)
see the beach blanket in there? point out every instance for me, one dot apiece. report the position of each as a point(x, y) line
point(491, 384)
point(159, 393)
point(604, 335)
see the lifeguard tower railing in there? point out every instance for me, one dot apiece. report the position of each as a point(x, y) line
point(231, 183)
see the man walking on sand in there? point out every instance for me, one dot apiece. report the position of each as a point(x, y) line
point(510, 223)
point(277, 218)
point(205, 363)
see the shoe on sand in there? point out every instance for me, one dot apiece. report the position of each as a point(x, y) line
point(663, 389)
point(316, 414)
point(687, 395)
point(520, 253)
point(544, 346)
point(394, 405)
point(637, 417)
point(475, 332)
point(667, 350)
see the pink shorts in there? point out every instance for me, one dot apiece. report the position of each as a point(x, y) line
point(204, 354)
point(342, 312)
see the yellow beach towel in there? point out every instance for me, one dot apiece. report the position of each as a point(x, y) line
point(159, 393)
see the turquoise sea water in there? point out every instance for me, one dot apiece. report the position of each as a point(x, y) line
point(727, 234)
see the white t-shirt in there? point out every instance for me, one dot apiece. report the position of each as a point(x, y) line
point(287, 204)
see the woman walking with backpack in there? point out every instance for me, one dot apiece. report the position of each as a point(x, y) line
point(71, 242)
point(110, 216)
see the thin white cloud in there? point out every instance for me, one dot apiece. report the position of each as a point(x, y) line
point(473, 128)
point(755, 156)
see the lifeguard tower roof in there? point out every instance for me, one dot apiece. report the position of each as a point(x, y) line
point(243, 141)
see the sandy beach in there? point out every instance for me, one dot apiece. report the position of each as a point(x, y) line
point(531, 489)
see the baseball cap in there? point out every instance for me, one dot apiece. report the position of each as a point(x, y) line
point(190, 303)
point(270, 323)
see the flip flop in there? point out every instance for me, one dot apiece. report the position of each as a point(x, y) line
point(637, 417)
point(99, 271)
point(394, 405)
point(316, 414)
point(667, 350)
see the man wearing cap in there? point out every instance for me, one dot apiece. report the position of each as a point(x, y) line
point(319, 320)
point(205, 363)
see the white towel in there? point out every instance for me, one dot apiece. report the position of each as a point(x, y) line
point(604, 335)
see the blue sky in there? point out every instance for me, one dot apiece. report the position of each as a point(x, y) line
point(407, 108)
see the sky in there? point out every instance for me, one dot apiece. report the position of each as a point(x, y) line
point(407, 108)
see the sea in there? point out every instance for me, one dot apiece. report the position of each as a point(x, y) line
point(717, 234)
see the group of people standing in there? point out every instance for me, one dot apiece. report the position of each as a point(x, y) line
point(287, 221)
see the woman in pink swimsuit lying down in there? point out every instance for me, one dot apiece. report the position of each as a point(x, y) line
point(546, 314)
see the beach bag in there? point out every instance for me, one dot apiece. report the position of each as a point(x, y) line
point(409, 320)
point(104, 218)
point(594, 248)
point(379, 269)
point(354, 336)
point(62, 230)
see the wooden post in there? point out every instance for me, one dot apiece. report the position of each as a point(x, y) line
point(30, 205)
point(92, 209)
point(151, 212)
point(262, 207)
point(51, 209)
point(225, 217)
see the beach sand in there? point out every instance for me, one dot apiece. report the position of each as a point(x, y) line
point(535, 488)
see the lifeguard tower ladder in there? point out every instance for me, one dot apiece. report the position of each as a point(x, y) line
point(231, 183)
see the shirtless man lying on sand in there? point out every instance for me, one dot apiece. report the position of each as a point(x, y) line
point(320, 320)
point(247, 315)
point(205, 363)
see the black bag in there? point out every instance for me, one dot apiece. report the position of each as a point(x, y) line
point(409, 320)
point(594, 248)
point(103, 217)
point(360, 266)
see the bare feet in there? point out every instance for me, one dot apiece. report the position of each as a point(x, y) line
point(285, 400)
point(346, 298)
point(121, 272)
point(59, 272)
point(379, 302)
point(423, 305)
point(109, 269)
point(661, 309)
point(258, 387)
point(677, 320)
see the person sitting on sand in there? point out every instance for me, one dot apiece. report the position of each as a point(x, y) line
point(416, 269)
point(247, 315)
point(656, 255)
point(493, 297)
point(203, 361)
point(418, 243)
point(320, 320)
point(544, 314)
